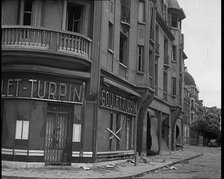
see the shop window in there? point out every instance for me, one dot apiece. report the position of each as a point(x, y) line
point(140, 58)
point(111, 36)
point(123, 49)
point(128, 133)
point(141, 11)
point(112, 129)
point(118, 128)
point(74, 15)
point(22, 130)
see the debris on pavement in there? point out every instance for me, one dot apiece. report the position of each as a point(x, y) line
point(173, 168)
point(130, 161)
point(110, 165)
point(144, 159)
point(85, 167)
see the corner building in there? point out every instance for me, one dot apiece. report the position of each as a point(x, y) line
point(78, 78)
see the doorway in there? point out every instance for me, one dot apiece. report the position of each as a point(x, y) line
point(58, 134)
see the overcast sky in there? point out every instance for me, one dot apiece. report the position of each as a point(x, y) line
point(202, 45)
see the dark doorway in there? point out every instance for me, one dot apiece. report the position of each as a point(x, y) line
point(58, 137)
point(177, 131)
point(149, 137)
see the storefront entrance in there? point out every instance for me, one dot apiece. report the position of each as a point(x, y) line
point(57, 140)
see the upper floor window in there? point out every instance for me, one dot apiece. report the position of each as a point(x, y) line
point(150, 63)
point(174, 92)
point(123, 49)
point(111, 36)
point(166, 57)
point(174, 22)
point(174, 52)
point(140, 58)
point(27, 12)
point(141, 11)
point(74, 15)
point(165, 79)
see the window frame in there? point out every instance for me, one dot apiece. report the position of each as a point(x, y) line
point(174, 20)
point(111, 36)
point(141, 11)
point(70, 7)
point(123, 45)
point(140, 65)
point(20, 131)
point(174, 86)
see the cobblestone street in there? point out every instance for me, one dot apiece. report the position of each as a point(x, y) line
point(205, 166)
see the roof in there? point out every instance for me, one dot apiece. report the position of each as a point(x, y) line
point(174, 6)
point(188, 79)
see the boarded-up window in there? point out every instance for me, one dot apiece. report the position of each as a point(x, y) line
point(22, 130)
point(76, 137)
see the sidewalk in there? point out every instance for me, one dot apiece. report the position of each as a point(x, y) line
point(111, 169)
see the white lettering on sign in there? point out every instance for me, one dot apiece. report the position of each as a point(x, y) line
point(117, 102)
point(47, 90)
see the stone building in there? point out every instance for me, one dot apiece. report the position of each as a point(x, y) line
point(89, 81)
point(193, 109)
point(163, 122)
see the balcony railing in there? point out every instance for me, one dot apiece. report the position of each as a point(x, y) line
point(46, 39)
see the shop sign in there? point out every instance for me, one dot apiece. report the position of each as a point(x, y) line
point(42, 89)
point(117, 102)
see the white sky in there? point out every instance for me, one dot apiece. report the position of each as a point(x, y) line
point(202, 45)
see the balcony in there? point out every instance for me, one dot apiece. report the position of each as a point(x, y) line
point(44, 39)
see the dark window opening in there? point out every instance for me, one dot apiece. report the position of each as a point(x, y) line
point(111, 36)
point(174, 21)
point(27, 12)
point(166, 57)
point(140, 58)
point(174, 53)
point(174, 85)
point(123, 49)
point(165, 80)
point(74, 13)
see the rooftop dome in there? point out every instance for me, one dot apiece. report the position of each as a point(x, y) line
point(188, 79)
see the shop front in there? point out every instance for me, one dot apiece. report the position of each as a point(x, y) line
point(116, 123)
point(41, 117)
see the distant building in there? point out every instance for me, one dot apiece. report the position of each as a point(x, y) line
point(192, 108)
